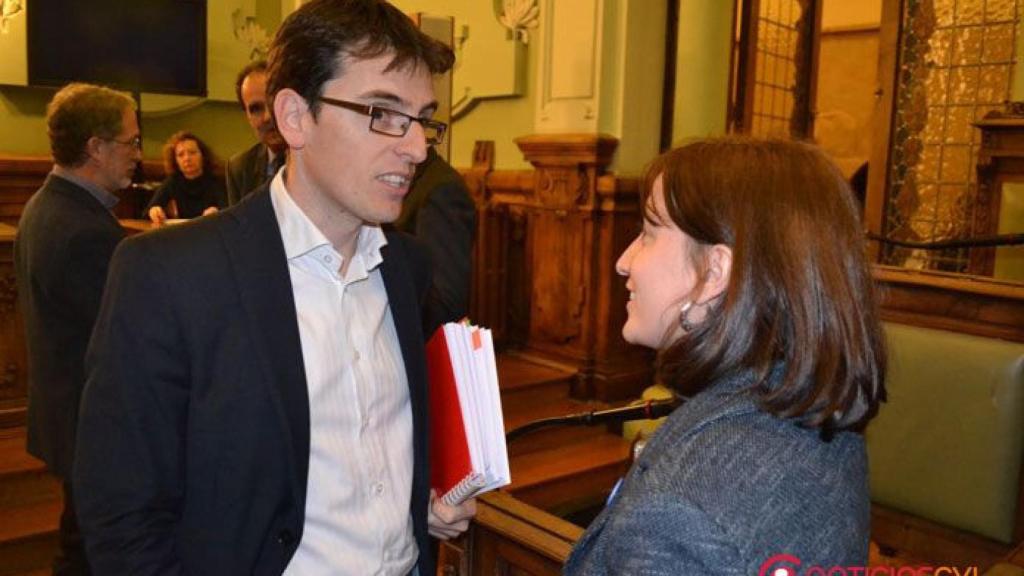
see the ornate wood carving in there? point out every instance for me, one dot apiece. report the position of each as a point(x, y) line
point(1000, 159)
point(578, 222)
point(8, 297)
point(13, 355)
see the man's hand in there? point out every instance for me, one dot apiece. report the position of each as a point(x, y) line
point(210, 210)
point(444, 521)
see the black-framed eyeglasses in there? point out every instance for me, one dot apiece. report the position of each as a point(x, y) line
point(135, 142)
point(392, 122)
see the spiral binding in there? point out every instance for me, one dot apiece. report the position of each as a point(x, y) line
point(464, 489)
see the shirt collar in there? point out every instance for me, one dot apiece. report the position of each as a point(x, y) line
point(104, 197)
point(301, 236)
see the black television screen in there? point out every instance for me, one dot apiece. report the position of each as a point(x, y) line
point(141, 46)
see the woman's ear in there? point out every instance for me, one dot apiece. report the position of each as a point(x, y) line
point(291, 112)
point(718, 270)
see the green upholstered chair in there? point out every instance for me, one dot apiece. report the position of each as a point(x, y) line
point(948, 445)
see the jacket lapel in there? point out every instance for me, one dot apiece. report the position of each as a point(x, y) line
point(253, 241)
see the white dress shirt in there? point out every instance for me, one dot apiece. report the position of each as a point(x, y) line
point(358, 518)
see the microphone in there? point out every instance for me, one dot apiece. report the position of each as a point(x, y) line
point(649, 410)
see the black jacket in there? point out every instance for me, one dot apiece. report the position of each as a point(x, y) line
point(61, 253)
point(194, 434)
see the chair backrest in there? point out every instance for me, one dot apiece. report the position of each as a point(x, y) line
point(949, 443)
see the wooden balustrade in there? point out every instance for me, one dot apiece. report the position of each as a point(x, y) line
point(509, 537)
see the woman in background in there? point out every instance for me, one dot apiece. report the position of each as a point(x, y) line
point(749, 278)
point(191, 188)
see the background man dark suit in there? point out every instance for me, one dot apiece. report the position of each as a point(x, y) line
point(256, 402)
point(248, 170)
point(66, 236)
point(440, 213)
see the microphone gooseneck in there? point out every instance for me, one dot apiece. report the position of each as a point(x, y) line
point(649, 410)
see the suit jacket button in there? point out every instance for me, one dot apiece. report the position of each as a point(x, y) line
point(285, 538)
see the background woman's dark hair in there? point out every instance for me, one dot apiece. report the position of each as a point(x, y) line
point(170, 163)
point(305, 52)
point(800, 294)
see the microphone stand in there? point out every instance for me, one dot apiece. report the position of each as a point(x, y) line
point(650, 410)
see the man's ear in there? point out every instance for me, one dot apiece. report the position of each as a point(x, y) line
point(718, 270)
point(92, 147)
point(291, 116)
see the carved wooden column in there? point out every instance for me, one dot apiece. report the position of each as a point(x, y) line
point(13, 354)
point(1000, 159)
point(578, 225)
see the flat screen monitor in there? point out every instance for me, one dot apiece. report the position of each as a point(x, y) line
point(154, 46)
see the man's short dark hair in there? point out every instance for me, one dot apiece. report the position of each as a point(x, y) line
point(77, 113)
point(251, 67)
point(312, 43)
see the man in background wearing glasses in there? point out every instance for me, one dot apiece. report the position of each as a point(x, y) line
point(66, 236)
point(257, 387)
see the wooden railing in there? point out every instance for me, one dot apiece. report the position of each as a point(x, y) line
point(509, 537)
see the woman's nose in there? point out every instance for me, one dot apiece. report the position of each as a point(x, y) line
point(622, 264)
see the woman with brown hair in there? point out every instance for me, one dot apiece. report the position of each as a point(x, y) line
point(191, 188)
point(749, 279)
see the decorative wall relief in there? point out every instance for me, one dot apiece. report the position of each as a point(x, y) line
point(13, 42)
point(8, 10)
point(237, 32)
point(490, 47)
point(251, 33)
point(519, 16)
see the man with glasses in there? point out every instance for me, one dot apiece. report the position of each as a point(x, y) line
point(257, 398)
point(66, 237)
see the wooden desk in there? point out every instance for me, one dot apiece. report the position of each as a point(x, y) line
point(13, 353)
point(134, 225)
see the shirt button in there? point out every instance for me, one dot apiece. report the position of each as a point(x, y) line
point(378, 488)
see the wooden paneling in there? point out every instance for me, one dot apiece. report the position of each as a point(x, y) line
point(21, 176)
point(967, 304)
point(13, 355)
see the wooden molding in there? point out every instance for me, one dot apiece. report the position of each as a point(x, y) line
point(968, 304)
point(568, 149)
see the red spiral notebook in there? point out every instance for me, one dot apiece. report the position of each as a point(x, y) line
point(467, 433)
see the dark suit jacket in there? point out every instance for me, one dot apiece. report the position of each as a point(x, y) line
point(246, 172)
point(441, 214)
point(194, 432)
point(62, 250)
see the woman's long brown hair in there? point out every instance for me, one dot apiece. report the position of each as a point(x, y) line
point(800, 297)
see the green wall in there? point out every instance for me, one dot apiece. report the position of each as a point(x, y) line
point(221, 124)
point(701, 90)
point(704, 42)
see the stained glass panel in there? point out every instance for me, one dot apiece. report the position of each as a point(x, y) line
point(955, 64)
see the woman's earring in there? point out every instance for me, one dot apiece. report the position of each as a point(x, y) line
point(684, 319)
